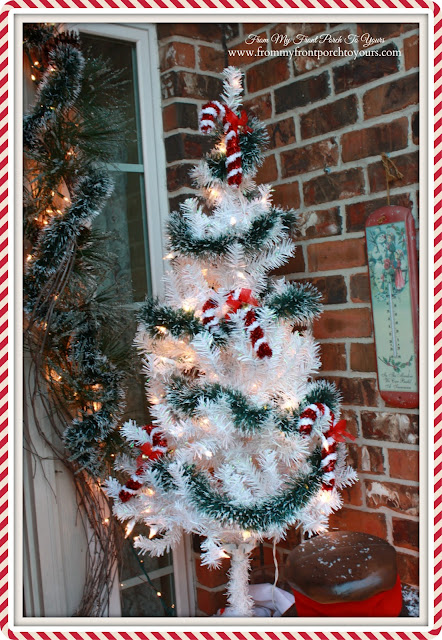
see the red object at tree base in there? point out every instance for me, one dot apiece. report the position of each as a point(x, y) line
point(387, 604)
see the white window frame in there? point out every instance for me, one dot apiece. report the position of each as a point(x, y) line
point(157, 209)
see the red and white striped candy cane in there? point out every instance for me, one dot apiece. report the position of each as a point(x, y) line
point(330, 438)
point(210, 319)
point(256, 335)
point(210, 113)
point(309, 416)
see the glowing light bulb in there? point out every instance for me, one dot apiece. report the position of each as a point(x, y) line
point(45, 222)
point(106, 521)
point(170, 256)
point(208, 454)
point(36, 63)
point(204, 271)
point(28, 258)
point(162, 330)
point(153, 532)
point(233, 221)
point(159, 594)
point(221, 148)
point(65, 198)
point(150, 492)
point(33, 78)
point(325, 496)
point(240, 275)
point(246, 535)
point(49, 211)
point(129, 528)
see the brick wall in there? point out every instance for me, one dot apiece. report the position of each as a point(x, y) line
point(328, 120)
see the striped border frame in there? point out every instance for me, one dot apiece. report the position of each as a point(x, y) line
point(253, 5)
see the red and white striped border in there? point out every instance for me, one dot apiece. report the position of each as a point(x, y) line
point(254, 6)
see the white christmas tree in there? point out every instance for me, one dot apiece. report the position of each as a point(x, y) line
point(244, 443)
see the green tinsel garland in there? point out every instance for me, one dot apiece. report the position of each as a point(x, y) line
point(184, 396)
point(276, 511)
point(182, 240)
point(251, 144)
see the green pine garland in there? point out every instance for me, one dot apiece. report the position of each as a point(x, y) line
point(75, 316)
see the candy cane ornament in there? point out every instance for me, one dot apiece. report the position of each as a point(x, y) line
point(149, 451)
point(330, 438)
point(216, 111)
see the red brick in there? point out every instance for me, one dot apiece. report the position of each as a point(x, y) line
point(179, 176)
point(394, 496)
point(306, 63)
point(358, 212)
point(183, 84)
point(333, 357)
point(391, 96)
point(182, 146)
point(309, 158)
point(260, 106)
point(302, 92)
point(343, 323)
point(332, 288)
point(286, 195)
point(337, 254)
point(365, 458)
point(407, 164)
point(334, 186)
point(404, 463)
point(415, 127)
point(353, 495)
point(294, 265)
point(177, 54)
point(237, 60)
point(281, 133)
point(293, 31)
point(408, 568)
point(411, 52)
point(384, 30)
point(357, 391)
point(320, 223)
point(406, 533)
point(211, 577)
point(211, 59)
point(268, 171)
point(351, 419)
point(180, 115)
point(362, 357)
point(356, 520)
point(210, 601)
point(174, 203)
point(266, 554)
point(372, 141)
point(365, 69)
point(329, 117)
point(359, 288)
point(209, 32)
point(392, 427)
point(268, 73)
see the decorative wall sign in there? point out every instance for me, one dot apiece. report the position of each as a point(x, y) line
point(392, 260)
